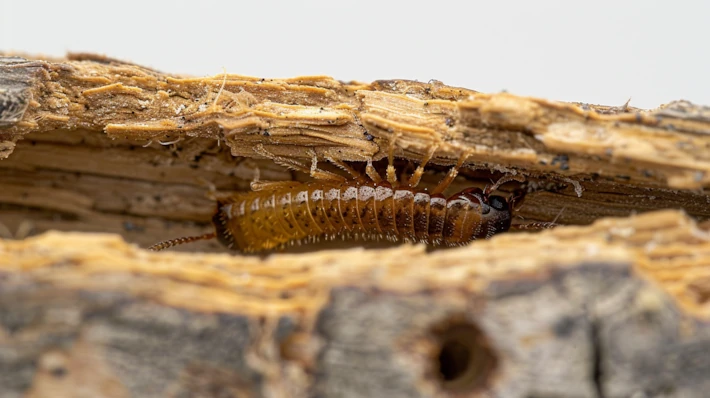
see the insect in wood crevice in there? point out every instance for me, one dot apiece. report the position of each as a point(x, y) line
point(281, 213)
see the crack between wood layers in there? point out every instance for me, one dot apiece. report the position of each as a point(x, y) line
point(597, 356)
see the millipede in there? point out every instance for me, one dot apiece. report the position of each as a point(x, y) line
point(276, 214)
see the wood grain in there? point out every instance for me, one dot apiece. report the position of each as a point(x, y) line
point(619, 297)
point(612, 303)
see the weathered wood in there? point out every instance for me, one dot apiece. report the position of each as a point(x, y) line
point(82, 136)
point(615, 308)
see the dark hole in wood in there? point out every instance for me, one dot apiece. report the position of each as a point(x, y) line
point(465, 362)
point(454, 359)
point(59, 372)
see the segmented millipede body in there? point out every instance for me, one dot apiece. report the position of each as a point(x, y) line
point(277, 214)
point(265, 220)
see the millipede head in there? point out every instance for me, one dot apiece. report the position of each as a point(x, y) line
point(495, 210)
point(500, 214)
point(220, 220)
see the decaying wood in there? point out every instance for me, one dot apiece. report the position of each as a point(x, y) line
point(615, 308)
point(85, 124)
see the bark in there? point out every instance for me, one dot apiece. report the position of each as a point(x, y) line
point(598, 307)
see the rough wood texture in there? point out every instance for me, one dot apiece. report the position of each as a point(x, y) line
point(79, 161)
point(615, 308)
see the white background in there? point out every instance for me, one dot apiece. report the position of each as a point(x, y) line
point(594, 51)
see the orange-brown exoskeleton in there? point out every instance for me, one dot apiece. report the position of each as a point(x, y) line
point(277, 214)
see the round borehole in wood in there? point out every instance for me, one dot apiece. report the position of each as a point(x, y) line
point(466, 361)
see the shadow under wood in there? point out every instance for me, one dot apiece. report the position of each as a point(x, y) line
point(83, 181)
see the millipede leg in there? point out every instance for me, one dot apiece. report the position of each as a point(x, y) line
point(344, 166)
point(417, 175)
point(319, 174)
point(451, 175)
point(372, 172)
point(259, 185)
point(391, 172)
point(292, 164)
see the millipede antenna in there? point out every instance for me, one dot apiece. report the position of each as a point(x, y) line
point(180, 241)
point(539, 224)
point(501, 181)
